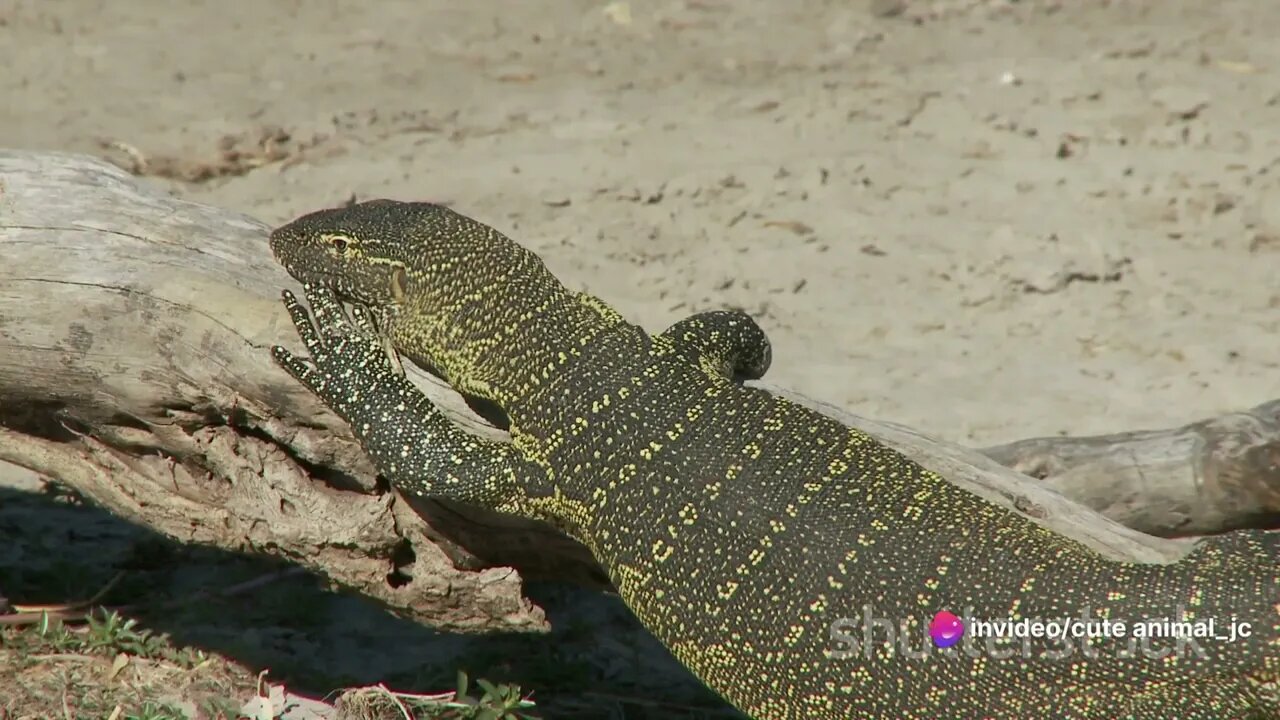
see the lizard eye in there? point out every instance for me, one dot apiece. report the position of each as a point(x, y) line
point(339, 244)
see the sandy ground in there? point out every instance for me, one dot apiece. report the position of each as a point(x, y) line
point(985, 220)
point(995, 222)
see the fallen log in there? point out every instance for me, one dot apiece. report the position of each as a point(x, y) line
point(134, 329)
point(1206, 477)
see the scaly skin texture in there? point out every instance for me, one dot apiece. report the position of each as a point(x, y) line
point(751, 535)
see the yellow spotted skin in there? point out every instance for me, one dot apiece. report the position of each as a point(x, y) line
point(754, 537)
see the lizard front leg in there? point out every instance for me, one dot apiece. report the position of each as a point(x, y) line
point(410, 441)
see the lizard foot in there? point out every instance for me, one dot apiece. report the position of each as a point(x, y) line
point(411, 442)
point(336, 345)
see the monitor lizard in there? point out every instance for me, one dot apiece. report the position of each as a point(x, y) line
point(790, 562)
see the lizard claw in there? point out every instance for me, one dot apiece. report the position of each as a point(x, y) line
point(302, 323)
point(298, 368)
point(331, 317)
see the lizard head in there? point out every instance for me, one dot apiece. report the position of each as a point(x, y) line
point(365, 252)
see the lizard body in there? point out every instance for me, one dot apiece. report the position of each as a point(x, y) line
point(753, 536)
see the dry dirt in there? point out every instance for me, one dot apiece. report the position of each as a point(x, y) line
point(987, 220)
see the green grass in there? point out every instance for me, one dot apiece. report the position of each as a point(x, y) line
point(485, 702)
point(134, 664)
point(105, 666)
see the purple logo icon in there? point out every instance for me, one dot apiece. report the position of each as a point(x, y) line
point(945, 629)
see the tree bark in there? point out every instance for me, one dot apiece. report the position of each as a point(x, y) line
point(1206, 477)
point(134, 329)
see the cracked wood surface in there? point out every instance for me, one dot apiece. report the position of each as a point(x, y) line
point(133, 368)
point(1205, 477)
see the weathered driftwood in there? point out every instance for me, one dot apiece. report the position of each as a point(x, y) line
point(1205, 477)
point(133, 367)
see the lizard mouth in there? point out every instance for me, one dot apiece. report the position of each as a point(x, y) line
point(335, 284)
point(344, 288)
point(305, 264)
